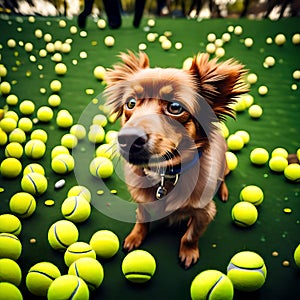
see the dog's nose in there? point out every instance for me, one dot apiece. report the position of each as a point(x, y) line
point(132, 139)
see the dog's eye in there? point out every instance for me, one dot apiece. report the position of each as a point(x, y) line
point(131, 102)
point(175, 108)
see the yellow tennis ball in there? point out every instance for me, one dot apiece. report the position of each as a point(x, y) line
point(252, 194)
point(244, 135)
point(68, 287)
point(62, 234)
point(11, 114)
point(10, 224)
point(60, 69)
point(25, 124)
point(55, 85)
point(138, 266)
point(78, 131)
point(235, 142)
point(17, 135)
point(35, 149)
point(34, 167)
point(34, 183)
point(3, 137)
point(297, 256)
point(40, 276)
point(280, 152)
point(27, 107)
point(96, 134)
point(5, 88)
point(105, 243)
point(111, 136)
point(100, 119)
point(63, 163)
point(247, 271)
point(3, 70)
point(99, 72)
point(44, 114)
point(255, 111)
point(39, 134)
point(9, 291)
point(8, 124)
point(69, 140)
point(105, 150)
point(78, 250)
point(22, 204)
point(259, 156)
point(213, 285)
point(244, 214)
point(10, 246)
point(76, 209)
point(64, 119)
point(79, 190)
point(278, 163)
point(88, 269)
point(280, 39)
point(292, 172)
point(59, 150)
point(109, 41)
point(101, 167)
point(231, 160)
point(10, 167)
point(14, 150)
point(54, 100)
point(10, 272)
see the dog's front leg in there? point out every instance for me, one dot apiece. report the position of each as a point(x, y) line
point(189, 250)
point(138, 233)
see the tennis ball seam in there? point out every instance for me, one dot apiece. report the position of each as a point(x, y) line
point(58, 239)
point(36, 191)
point(212, 288)
point(42, 273)
point(28, 209)
point(232, 266)
point(89, 284)
point(80, 252)
point(73, 210)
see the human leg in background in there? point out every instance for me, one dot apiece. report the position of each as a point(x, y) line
point(138, 12)
point(88, 6)
point(113, 12)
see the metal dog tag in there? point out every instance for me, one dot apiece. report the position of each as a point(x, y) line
point(161, 192)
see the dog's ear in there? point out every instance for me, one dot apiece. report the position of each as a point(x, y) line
point(219, 83)
point(118, 74)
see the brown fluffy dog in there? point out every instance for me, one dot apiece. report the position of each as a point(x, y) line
point(174, 153)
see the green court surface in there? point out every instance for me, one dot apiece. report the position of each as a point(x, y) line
point(274, 236)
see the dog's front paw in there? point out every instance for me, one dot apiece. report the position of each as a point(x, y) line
point(131, 242)
point(188, 255)
point(223, 192)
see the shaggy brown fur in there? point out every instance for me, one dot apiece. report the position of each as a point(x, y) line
point(164, 134)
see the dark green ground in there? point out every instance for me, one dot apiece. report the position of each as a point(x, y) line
point(279, 127)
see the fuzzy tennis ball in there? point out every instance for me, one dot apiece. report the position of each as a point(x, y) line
point(255, 111)
point(231, 160)
point(106, 150)
point(138, 266)
point(278, 163)
point(62, 234)
point(10, 167)
point(34, 167)
point(280, 39)
point(100, 120)
point(40, 276)
point(99, 72)
point(247, 271)
point(263, 90)
point(259, 156)
point(79, 190)
point(12, 99)
point(88, 269)
point(244, 214)
point(25, 124)
point(78, 131)
point(55, 85)
point(54, 100)
point(5, 87)
point(105, 243)
point(10, 224)
point(280, 152)
point(9, 291)
point(3, 70)
point(252, 194)
point(59, 150)
point(39, 134)
point(10, 271)
point(101, 23)
point(109, 41)
point(111, 136)
point(101, 167)
point(96, 134)
point(69, 140)
point(60, 69)
point(68, 287)
point(14, 150)
point(11, 114)
point(10, 246)
point(63, 164)
point(244, 135)
point(76, 209)
point(297, 256)
point(8, 124)
point(3, 137)
point(17, 135)
point(44, 114)
point(35, 149)
point(235, 142)
point(27, 107)
point(292, 172)
point(34, 183)
point(78, 250)
point(64, 119)
point(22, 204)
point(213, 285)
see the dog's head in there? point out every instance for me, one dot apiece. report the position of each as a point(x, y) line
point(166, 113)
